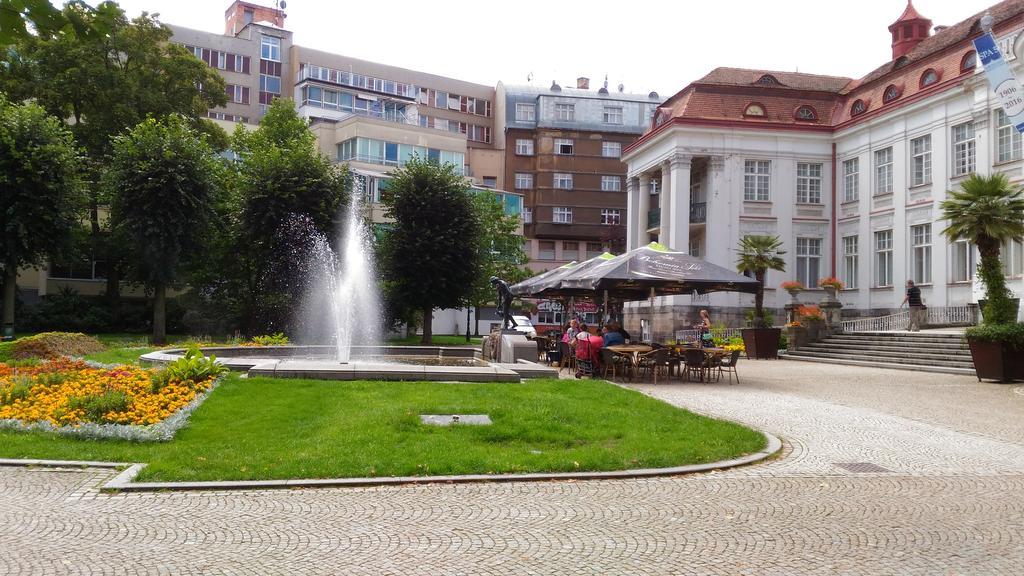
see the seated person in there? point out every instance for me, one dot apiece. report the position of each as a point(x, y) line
point(571, 331)
point(618, 328)
point(612, 336)
point(588, 346)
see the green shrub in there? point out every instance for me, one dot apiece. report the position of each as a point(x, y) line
point(96, 406)
point(767, 318)
point(278, 339)
point(192, 367)
point(17, 388)
point(56, 344)
point(1012, 334)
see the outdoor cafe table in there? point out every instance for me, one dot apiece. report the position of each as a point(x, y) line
point(633, 351)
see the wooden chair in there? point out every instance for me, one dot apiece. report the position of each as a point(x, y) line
point(695, 361)
point(729, 365)
point(568, 357)
point(654, 362)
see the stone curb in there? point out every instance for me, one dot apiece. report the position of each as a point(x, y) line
point(123, 481)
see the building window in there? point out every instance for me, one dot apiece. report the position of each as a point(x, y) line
point(563, 147)
point(570, 250)
point(612, 115)
point(524, 147)
point(611, 149)
point(271, 84)
point(806, 113)
point(611, 217)
point(611, 183)
point(527, 215)
point(546, 250)
point(270, 48)
point(859, 107)
point(594, 249)
point(969, 62)
point(962, 254)
point(921, 253)
point(921, 160)
point(524, 181)
point(526, 112)
point(565, 112)
point(1012, 256)
point(83, 269)
point(929, 77)
point(562, 214)
point(850, 261)
point(891, 93)
point(768, 80)
point(755, 179)
point(808, 183)
point(1008, 139)
point(808, 260)
point(563, 181)
point(883, 258)
point(754, 111)
point(851, 179)
point(963, 149)
point(237, 94)
point(883, 171)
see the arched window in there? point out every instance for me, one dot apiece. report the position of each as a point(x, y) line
point(891, 93)
point(900, 62)
point(806, 113)
point(768, 80)
point(859, 107)
point(755, 110)
point(929, 77)
point(969, 62)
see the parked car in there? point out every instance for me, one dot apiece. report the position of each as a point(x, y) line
point(524, 325)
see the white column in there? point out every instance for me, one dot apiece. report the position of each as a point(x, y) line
point(643, 206)
point(719, 225)
point(678, 236)
point(666, 206)
point(633, 222)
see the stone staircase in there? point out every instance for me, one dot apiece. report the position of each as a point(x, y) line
point(921, 351)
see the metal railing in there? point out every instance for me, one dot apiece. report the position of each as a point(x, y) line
point(692, 335)
point(698, 212)
point(937, 316)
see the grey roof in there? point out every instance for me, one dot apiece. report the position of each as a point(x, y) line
point(566, 92)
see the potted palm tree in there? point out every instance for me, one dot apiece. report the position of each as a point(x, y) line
point(759, 254)
point(988, 210)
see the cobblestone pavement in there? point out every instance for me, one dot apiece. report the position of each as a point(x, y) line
point(945, 497)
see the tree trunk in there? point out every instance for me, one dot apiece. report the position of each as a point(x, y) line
point(759, 301)
point(428, 328)
point(476, 327)
point(160, 314)
point(10, 291)
point(998, 307)
point(468, 309)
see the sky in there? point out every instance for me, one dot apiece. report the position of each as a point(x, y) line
point(644, 44)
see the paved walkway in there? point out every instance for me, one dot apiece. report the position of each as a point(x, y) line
point(933, 485)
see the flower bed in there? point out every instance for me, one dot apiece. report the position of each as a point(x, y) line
point(72, 397)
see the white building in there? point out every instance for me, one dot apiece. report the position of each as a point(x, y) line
point(849, 173)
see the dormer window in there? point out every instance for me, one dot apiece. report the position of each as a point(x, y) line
point(969, 62)
point(859, 107)
point(900, 62)
point(929, 77)
point(768, 80)
point(891, 93)
point(806, 113)
point(755, 110)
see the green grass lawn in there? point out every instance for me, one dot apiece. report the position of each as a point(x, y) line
point(438, 339)
point(262, 428)
point(120, 355)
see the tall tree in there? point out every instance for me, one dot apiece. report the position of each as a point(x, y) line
point(987, 211)
point(288, 191)
point(40, 192)
point(500, 251)
point(759, 254)
point(431, 255)
point(17, 17)
point(163, 185)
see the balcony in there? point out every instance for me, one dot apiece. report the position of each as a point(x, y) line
point(653, 218)
point(698, 212)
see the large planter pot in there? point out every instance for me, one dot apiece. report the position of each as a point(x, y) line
point(830, 293)
point(997, 361)
point(761, 343)
point(815, 330)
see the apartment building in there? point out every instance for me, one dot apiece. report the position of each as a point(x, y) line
point(563, 151)
point(849, 173)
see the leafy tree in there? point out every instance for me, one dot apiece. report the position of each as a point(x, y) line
point(759, 254)
point(164, 186)
point(500, 251)
point(17, 16)
point(431, 254)
point(288, 191)
point(40, 192)
point(987, 210)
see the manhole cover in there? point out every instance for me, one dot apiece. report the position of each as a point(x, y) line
point(450, 419)
point(860, 467)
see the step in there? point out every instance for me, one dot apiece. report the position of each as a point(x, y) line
point(890, 365)
point(906, 337)
point(856, 357)
point(882, 345)
point(876, 347)
point(884, 354)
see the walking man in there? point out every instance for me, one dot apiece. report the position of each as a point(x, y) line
point(917, 308)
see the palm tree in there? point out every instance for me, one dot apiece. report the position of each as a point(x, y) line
point(759, 254)
point(987, 210)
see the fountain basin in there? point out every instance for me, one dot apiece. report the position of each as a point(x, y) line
point(429, 363)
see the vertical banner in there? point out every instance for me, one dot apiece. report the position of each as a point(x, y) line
point(1001, 79)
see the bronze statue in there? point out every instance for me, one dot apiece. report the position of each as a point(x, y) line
point(504, 303)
